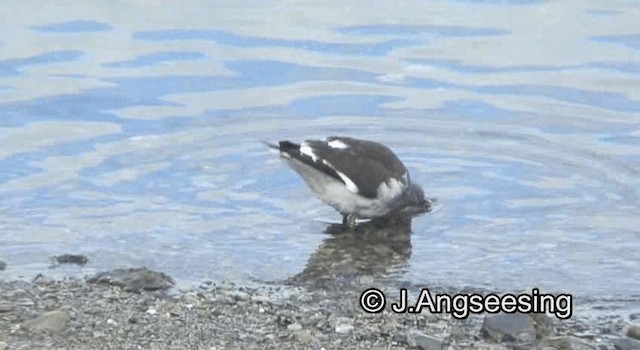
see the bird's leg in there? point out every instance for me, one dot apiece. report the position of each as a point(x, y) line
point(349, 220)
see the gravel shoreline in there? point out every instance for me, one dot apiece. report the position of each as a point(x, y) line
point(110, 312)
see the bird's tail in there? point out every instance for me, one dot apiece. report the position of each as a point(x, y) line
point(284, 147)
point(271, 145)
point(289, 147)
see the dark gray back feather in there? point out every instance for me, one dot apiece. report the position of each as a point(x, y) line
point(366, 163)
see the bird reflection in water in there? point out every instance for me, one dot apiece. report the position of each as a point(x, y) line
point(379, 249)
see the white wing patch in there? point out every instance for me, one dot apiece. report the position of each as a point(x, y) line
point(351, 186)
point(307, 150)
point(337, 144)
point(347, 181)
point(390, 189)
point(285, 155)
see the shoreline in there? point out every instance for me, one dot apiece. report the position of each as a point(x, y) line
point(114, 310)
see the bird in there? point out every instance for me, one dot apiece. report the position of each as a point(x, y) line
point(361, 179)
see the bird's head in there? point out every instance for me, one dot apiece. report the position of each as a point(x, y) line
point(414, 201)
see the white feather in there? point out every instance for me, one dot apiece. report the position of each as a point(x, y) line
point(390, 189)
point(337, 144)
point(336, 194)
point(348, 183)
point(285, 155)
point(307, 150)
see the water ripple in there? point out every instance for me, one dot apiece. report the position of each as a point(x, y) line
point(138, 142)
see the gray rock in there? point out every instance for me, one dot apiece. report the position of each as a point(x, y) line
point(415, 338)
point(26, 302)
point(343, 325)
point(17, 293)
point(305, 337)
point(3, 345)
point(566, 343)
point(543, 324)
point(136, 279)
point(516, 327)
point(54, 321)
point(42, 280)
point(261, 299)
point(457, 333)
point(344, 328)
point(486, 346)
point(633, 331)
point(294, 327)
point(3, 265)
point(5, 306)
point(77, 259)
point(626, 344)
point(238, 295)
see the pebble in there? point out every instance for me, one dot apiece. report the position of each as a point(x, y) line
point(189, 297)
point(626, 344)
point(77, 259)
point(99, 334)
point(294, 327)
point(261, 299)
point(457, 333)
point(344, 328)
point(134, 279)
point(416, 338)
point(25, 302)
point(5, 307)
point(633, 331)
point(42, 280)
point(543, 324)
point(484, 346)
point(566, 343)
point(225, 285)
point(239, 295)
point(55, 321)
point(517, 328)
point(305, 337)
point(3, 265)
point(17, 293)
point(49, 296)
point(3, 345)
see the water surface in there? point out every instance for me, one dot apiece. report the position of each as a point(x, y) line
point(130, 132)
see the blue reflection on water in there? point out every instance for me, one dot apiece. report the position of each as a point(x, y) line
point(227, 38)
point(82, 26)
point(12, 66)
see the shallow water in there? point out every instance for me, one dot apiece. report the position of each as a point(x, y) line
point(131, 132)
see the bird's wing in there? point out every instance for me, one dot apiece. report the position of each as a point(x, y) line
point(305, 155)
point(361, 165)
